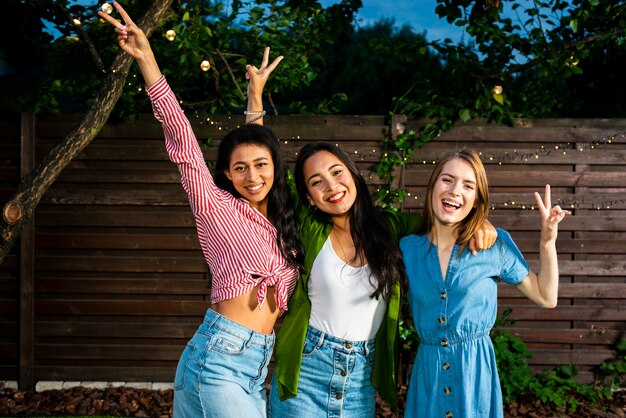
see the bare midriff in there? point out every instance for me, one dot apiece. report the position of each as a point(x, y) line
point(245, 311)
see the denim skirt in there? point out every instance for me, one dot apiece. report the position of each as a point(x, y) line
point(335, 380)
point(222, 371)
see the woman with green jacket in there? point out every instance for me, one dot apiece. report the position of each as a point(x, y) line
point(339, 343)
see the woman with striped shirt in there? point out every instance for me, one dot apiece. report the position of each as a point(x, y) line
point(248, 234)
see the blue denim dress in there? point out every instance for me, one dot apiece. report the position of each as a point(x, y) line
point(454, 374)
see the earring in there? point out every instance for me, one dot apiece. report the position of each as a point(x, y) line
point(312, 208)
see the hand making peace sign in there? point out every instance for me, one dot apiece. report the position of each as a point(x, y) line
point(550, 216)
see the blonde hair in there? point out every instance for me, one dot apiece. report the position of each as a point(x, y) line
point(478, 214)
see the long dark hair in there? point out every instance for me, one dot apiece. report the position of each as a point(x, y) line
point(281, 209)
point(478, 214)
point(370, 233)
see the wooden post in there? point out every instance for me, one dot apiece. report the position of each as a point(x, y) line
point(27, 266)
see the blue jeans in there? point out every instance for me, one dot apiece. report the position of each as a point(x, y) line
point(335, 380)
point(222, 371)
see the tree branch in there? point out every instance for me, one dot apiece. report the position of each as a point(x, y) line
point(519, 68)
point(83, 35)
point(33, 186)
point(230, 71)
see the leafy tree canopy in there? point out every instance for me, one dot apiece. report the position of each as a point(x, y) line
point(550, 58)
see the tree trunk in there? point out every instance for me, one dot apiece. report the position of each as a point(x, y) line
point(22, 204)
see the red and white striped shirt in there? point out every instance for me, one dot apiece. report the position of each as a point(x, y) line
point(239, 244)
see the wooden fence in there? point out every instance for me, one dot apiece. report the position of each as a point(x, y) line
point(110, 282)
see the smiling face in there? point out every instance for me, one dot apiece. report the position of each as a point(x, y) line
point(251, 169)
point(329, 184)
point(454, 192)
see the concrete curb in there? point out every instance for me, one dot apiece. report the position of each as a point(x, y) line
point(59, 385)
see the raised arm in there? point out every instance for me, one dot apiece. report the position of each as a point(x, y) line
point(135, 43)
point(257, 77)
point(543, 287)
point(180, 140)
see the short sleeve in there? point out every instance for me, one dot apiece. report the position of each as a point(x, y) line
point(513, 267)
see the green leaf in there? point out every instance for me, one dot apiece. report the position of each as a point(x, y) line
point(465, 115)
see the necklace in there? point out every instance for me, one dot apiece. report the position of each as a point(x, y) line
point(344, 256)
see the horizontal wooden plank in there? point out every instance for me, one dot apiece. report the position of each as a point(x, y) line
point(597, 268)
point(122, 264)
point(567, 336)
point(577, 290)
point(118, 175)
point(528, 220)
point(165, 240)
point(529, 131)
point(8, 329)
point(8, 372)
point(8, 352)
point(116, 329)
point(524, 155)
point(118, 373)
point(592, 268)
point(123, 286)
point(157, 195)
point(567, 244)
point(577, 357)
point(161, 216)
point(113, 317)
point(108, 352)
point(146, 124)
point(8, 306)
point(10, 151)
point(121, 307)
point(566, 313)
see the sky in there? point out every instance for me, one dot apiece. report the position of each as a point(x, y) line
point(419, 14)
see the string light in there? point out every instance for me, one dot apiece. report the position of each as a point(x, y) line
point(498, 89)
point(205, 65)
point(170, 35)
point(107, 8)
point(503, 158)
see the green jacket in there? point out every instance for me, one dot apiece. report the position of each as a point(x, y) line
point(292, 333)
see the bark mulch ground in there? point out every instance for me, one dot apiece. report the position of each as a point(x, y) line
point(129, 402)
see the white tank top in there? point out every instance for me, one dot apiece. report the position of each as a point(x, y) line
point(340, 298)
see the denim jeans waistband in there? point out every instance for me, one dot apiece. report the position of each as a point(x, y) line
point(214, 320)
point(359, 347)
